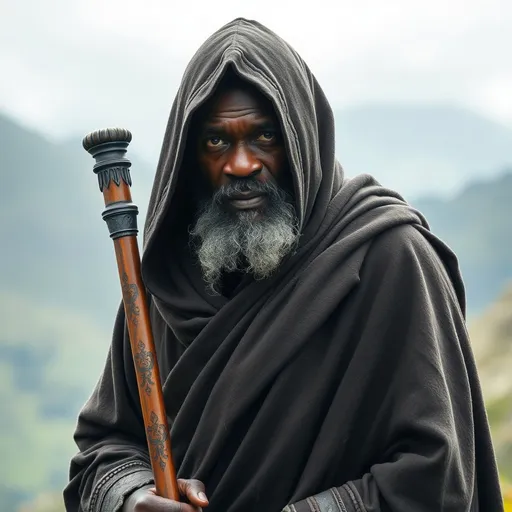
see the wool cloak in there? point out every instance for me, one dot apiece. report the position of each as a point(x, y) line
point(349, 371)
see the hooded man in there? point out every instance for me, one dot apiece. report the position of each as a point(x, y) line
point(310, 329)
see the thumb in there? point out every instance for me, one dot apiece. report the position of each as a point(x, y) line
point(194, 490)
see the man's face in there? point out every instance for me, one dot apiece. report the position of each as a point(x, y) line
point(239, 142)
point(246, 220)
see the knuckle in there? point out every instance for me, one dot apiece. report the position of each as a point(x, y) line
point(141, 504)
point(196, 485)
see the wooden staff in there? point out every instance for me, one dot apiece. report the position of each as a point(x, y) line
point(108, 147)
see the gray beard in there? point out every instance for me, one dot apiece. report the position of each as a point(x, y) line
point(251, 241)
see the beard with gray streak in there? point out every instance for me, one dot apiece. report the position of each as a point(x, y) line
point(253, 241)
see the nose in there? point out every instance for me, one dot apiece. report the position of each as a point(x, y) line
point(242, 163)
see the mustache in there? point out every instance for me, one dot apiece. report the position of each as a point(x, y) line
point(245, 185)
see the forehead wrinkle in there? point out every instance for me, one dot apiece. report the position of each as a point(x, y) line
point(235, 112)
point(247, 119)
point(245, 115)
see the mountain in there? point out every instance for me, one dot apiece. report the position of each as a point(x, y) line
point(416, 149)
point(54, 238)
point(421, 150)
point(57, 236)
point(476, 225)
point(59, 290)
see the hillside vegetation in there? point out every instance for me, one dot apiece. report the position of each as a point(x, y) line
point(59, 292)
point(492, 343)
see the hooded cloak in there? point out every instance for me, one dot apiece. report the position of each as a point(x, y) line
point(346, 381)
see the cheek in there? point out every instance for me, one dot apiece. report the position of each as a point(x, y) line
point(209, 170)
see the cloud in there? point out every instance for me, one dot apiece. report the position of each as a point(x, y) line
point(74, 66)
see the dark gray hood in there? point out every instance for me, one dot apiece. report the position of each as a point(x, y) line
point(329, 207)
point(267, 61)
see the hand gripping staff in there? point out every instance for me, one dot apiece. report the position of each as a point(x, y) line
point(108, 147)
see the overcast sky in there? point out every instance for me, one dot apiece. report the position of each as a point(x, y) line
point(70, 66)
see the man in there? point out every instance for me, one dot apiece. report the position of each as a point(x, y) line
point(309, 328)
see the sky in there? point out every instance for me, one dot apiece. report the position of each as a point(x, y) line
point(71, 66)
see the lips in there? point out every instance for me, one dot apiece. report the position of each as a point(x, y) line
point(245, 201)
point(248, 194)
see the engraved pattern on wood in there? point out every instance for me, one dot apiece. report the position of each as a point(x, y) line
point(145, 361)
point(157, 435)
point(131, 293)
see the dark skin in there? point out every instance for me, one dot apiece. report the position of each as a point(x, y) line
point(146, 499)
point(237, 136)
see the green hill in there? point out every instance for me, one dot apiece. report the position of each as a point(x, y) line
point(491, 335)
point(49, 360)
point(59, 291)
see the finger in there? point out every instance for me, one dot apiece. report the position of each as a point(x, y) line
point(194, 490)
point(154, 503)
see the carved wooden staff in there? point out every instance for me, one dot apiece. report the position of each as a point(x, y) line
point(108, 147)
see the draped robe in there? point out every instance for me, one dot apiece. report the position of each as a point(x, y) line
point(345, 381)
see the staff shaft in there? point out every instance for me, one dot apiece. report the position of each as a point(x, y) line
point(108, 147)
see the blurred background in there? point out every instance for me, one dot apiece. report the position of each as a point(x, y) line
point(422, 95)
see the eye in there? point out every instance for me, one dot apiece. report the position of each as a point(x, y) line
point(214, 142)
point(267, 136)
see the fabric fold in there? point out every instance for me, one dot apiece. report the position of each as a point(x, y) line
point(350, 368)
